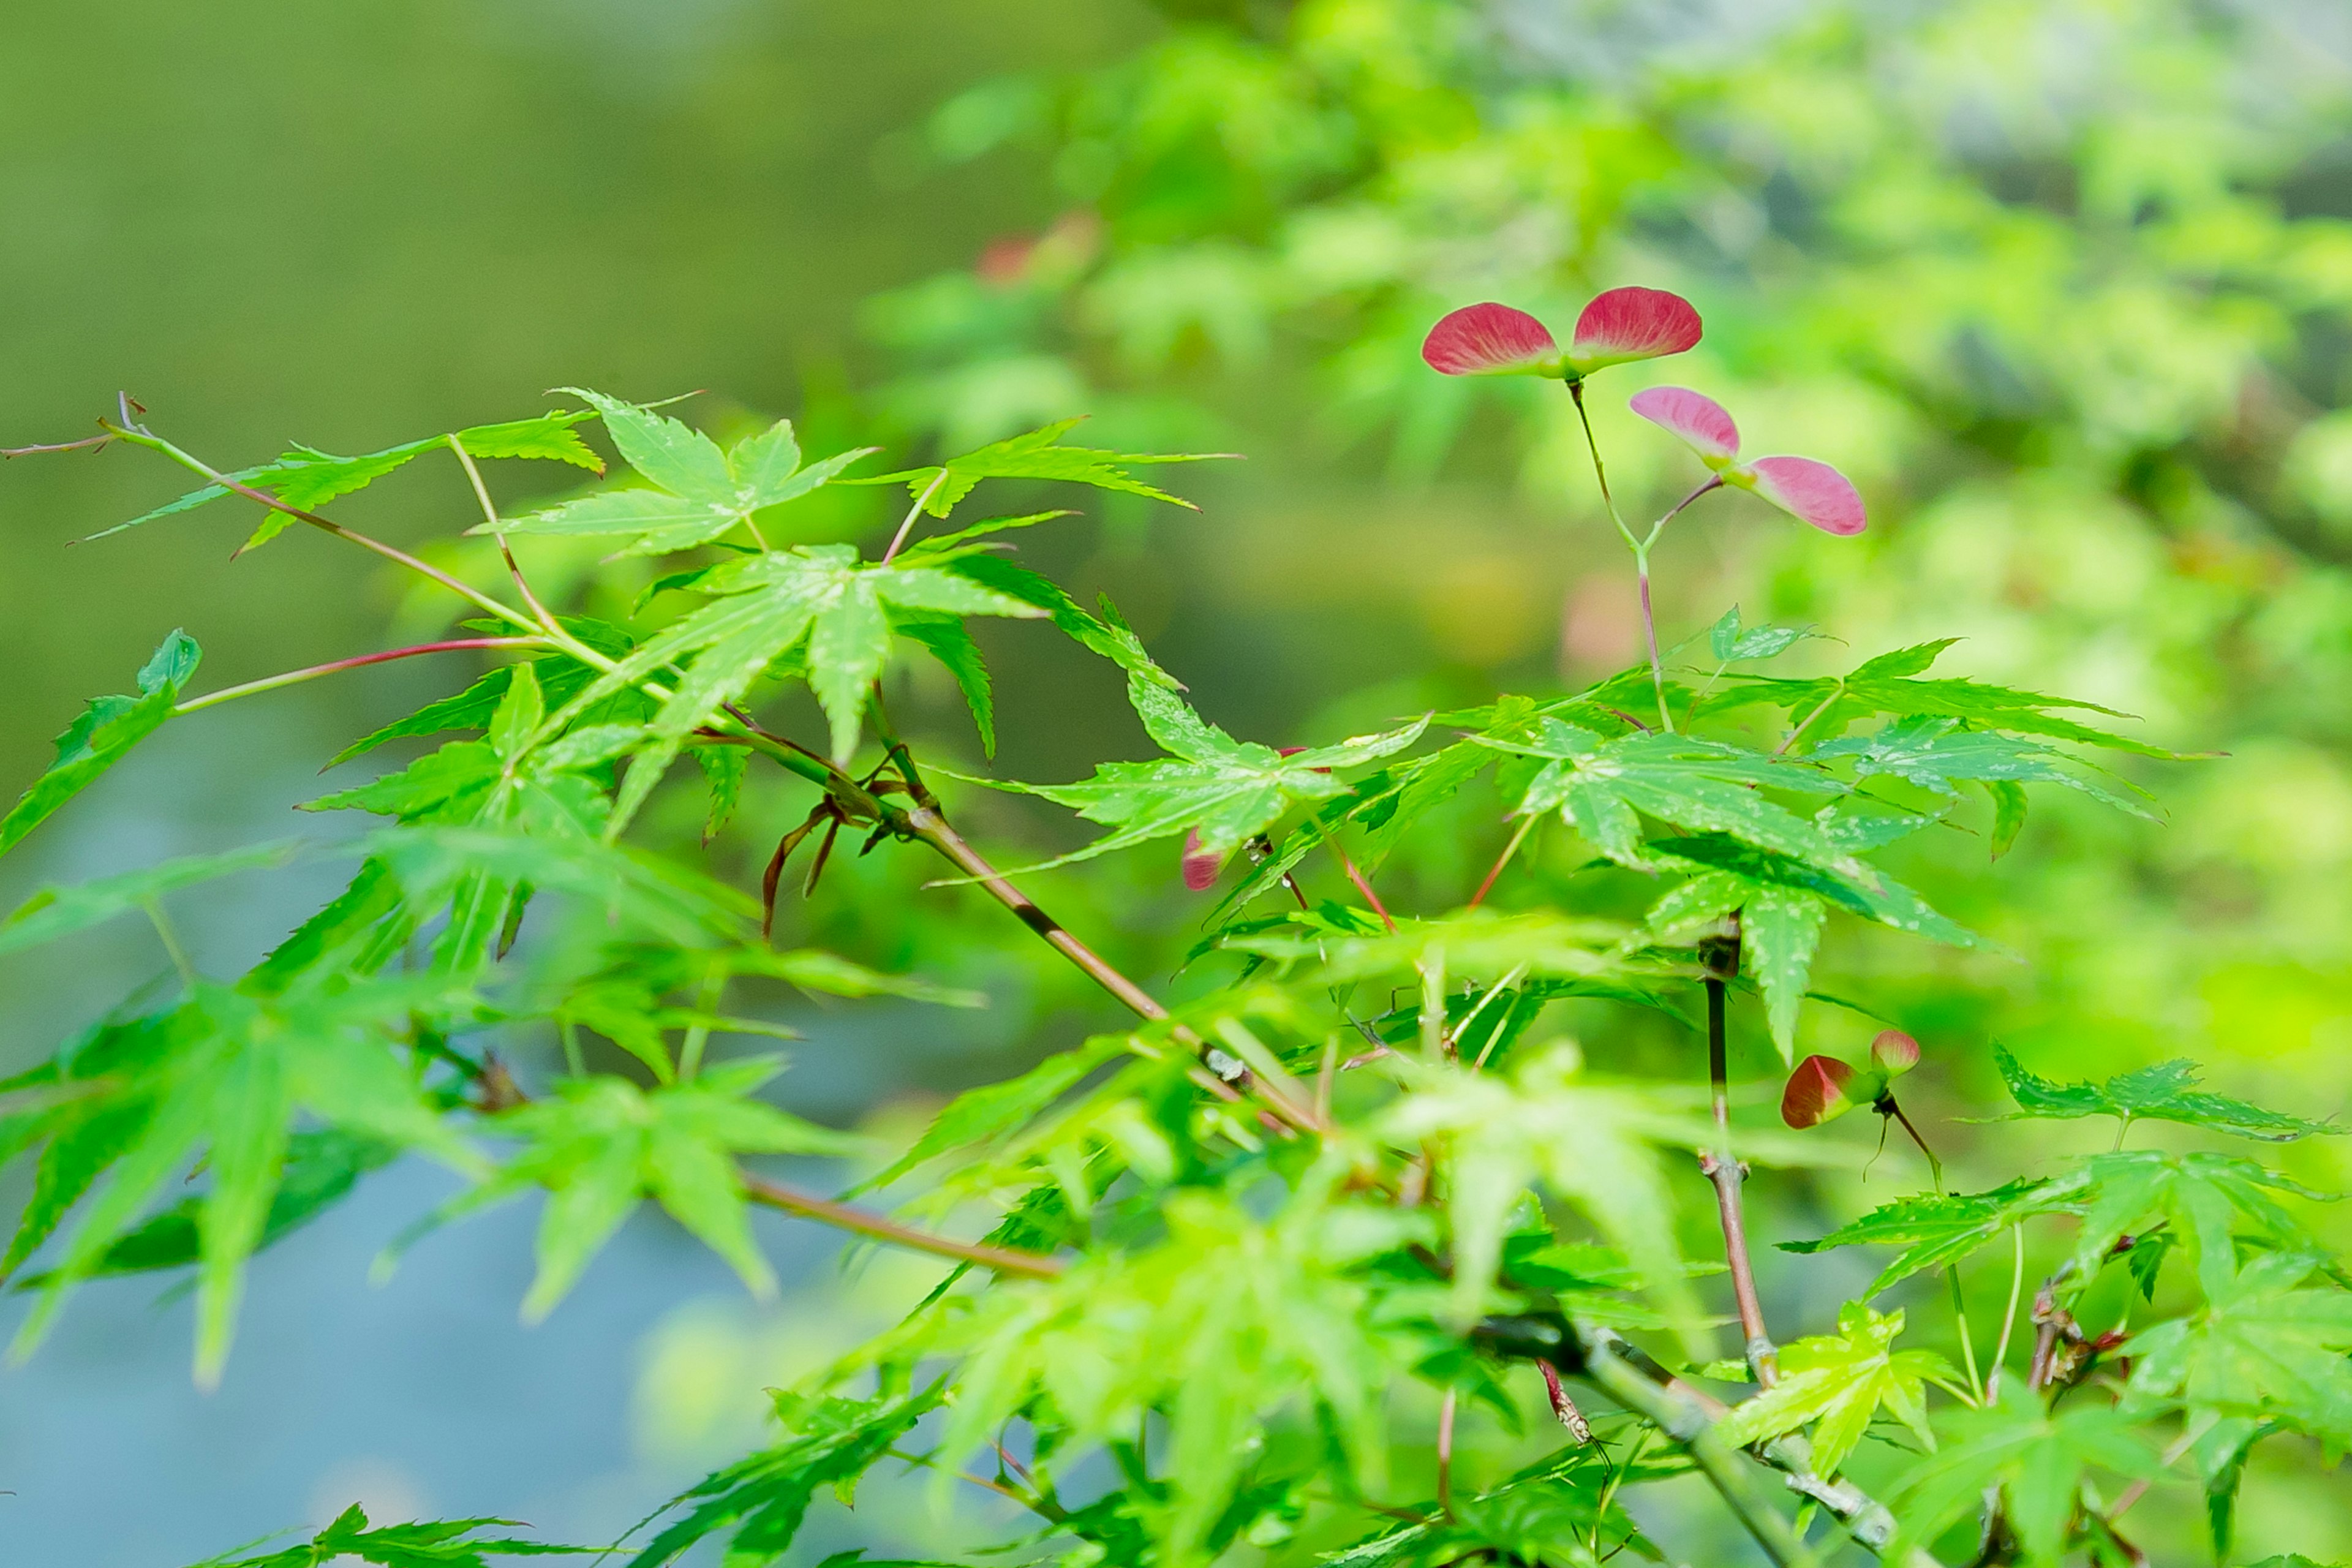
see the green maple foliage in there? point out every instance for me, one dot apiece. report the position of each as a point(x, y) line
point(1339, 1255)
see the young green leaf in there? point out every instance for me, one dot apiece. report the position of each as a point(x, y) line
point(53, 912)
point(1825, 706)
point(308, 478)
point(603, 1143)
point(950, 641)
point(1502, 1133)
point(1731, 642)
point(694, 493)
point(107, 728)
point(767, 605)
point(2160, 1093)
point(1602, 788)
point(1231, 1319)
point(1935, 1230)
point(2040, 1461)
point(1222, 790)
point(2269, 1343)
point(321, 1169)
point(1037, 454)
point(226, 1071)
point(1937, 754)
point(2201, 1196)
point(763, 1498)
point(560, 678)
point(443, 1543)
point(1843, 1381)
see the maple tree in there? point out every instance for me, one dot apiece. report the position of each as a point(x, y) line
point(1220, 1249)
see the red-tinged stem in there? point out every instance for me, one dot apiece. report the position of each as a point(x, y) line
point(863, 1222)
point(1650, 637)
point(1445, 1456)
point(1526, 825)
point(296, 677)
point(1362, 886)
point(2138, 1488)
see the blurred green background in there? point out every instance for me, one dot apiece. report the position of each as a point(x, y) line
point(2066, 285)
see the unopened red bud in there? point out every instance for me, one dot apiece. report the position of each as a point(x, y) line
point(1894, 1052)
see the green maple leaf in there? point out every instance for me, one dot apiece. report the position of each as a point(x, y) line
point(551, 791)
point(1036, 455)
point(2164, 1092)
point(442, 1543)
point(1549, 1512)
point(106, 731)
point(602, 1144)
point(1938, 754)
point(2265, 1347)
point(1935, 1230)
point(1604, 788)
point(764, 1498)
point(1224, 790)
point(308, 478)
point(1843, 1381)
point(1730, 642)
point(1784, 902)
point(628, 994)
point(321, 1169)
point(55, 912)
point(225, 1071)
point(2040, 1461)
point(1503, 1133)
point(2202, 1197)
point(1885, 685)
point(694, 492)
point(766, 604)
point(1233, 1317)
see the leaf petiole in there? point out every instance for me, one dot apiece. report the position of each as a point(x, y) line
point(335, 666)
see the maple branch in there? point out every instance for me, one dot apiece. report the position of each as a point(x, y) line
point(139, 436)
point(1675, 1408)
point(1221, 1074)
point(1690, 1425)
point(1720, 955)
point(863, 1222)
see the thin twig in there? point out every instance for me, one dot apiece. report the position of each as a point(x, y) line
point(1526, 825)
point(846, 1217)
point(1720, 954)
point(141, 437)
point(1688, 1424)
point(88, 443)
point(312, 672)
point(2008, 1316)
point(1362, 885)
point(913, 513)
